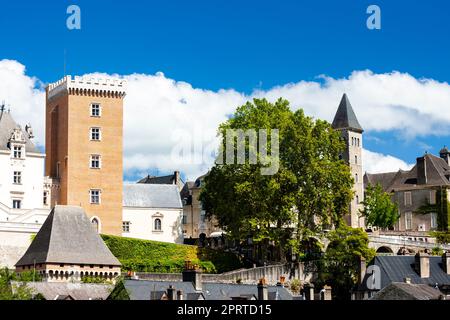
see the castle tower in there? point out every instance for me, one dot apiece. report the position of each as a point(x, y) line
point(346, 122)
point(84, 130)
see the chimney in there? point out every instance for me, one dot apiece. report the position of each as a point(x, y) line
point(171, 293)
point(422, 264)
point(361, 269)
point(407, 280)
point(263, 292)
point(176, 177)
point(326, 293)
point(192, 274)
point(445, 154)
point(180, 295)
point(446, 262)
point(309, 291)
point(421, 170)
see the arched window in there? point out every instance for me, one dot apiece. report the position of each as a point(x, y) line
point(356, 178)
point(353, 141)
point(157, 225)
point(356, 159)
point(357, 199)
point(95, 224)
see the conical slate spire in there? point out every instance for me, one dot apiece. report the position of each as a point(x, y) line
point(345, 117)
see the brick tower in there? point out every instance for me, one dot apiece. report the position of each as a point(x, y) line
point(84, 134)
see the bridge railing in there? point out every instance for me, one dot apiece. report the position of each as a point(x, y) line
point(405, 242)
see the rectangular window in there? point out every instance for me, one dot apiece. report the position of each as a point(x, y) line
point(96, 134)
point(408, 220)
point(45, 198)
point(17, 179)
point(96, 110)
point(17, 152)
point(126, 226)
point(433, 223)
point(17, 204)
point(95, 196)
point(202, 216)
point(95, 161)
point(408, 198)
point(184, 219)
point(433, 197)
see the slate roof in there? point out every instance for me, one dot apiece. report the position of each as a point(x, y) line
point(397, 268)
point(141, 290)
point(407, 291)
point(152, 196)
point(170, 179)
point(437, 172)
point(7, 125)
point(345, 117)
point(68, 237)
point(78, 291)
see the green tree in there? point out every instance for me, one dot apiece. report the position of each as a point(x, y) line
point(379, 210)
point(311, 191)
point(346, 246)
point(20, 292)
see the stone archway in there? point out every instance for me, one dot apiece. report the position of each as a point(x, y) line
point(385, 250)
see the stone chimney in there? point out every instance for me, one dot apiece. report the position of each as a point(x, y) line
point(446, 262)
point(171, 293)
point(361, 269)
point(180, 295)
point(309, 291)
point(327, 293)
point(192, 274)
point(263, 292)
point(176, 178)
point(445, 154)
point(422, 170)
point(422, 264)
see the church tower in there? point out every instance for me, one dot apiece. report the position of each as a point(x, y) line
point(84, 134)
point(346, 122)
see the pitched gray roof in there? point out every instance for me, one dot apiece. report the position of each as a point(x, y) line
point(141, 290)
point(170, 179)
point(397, 268)
point(7, 125)
point(152, 196)
point(78, 291)
point(407, 291)
point(345, 117)
point(437, 172)
point(67, 236)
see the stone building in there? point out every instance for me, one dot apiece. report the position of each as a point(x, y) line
point(152, 212)
point(84, 134)
point(346, 122)
point(68, 248)
point(421, 193)
point(195, 222)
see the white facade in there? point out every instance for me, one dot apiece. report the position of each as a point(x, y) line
point(141, 223)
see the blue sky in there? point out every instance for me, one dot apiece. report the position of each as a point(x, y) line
point(240, 45)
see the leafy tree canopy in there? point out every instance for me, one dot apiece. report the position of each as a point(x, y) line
point(379, 210)
point(311, 191)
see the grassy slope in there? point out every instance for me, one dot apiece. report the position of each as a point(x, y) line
point(152, 256)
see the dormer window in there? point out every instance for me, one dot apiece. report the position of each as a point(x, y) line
point(17, 152)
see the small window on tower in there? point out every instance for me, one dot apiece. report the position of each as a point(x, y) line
point(96, 110)
point(17, 204)
point(356, 178)
point(17, 178)
point(96, 134)
point(356, 159)
point(95, 162)
point(45, 198)
point(95, 196)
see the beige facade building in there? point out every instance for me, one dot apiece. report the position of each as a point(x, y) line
point(84, 134)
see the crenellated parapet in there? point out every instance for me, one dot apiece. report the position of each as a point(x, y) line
point(87, 86)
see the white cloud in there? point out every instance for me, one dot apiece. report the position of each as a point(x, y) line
point(374, 162)
point(161, 112)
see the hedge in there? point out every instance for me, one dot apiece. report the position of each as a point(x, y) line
point(160, 257)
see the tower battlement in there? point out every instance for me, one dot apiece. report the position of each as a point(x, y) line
point(87, 86)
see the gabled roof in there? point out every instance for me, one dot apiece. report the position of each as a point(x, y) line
point(397, 268)
point(152, 196)
point(68, 237)
point(345, 117)
point(7, 126)
point(407, 291)
point(437, 173)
